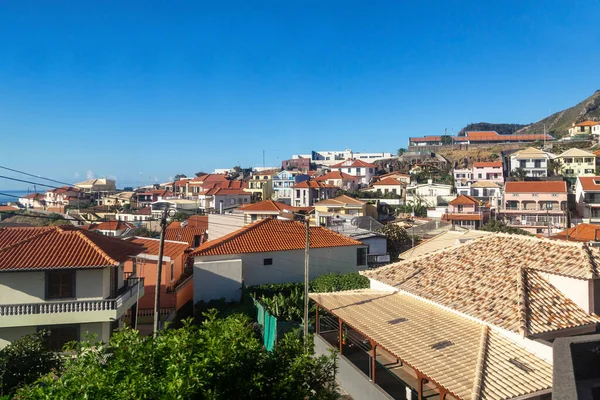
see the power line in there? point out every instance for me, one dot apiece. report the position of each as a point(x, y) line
point(35, 176)
point(30, 182)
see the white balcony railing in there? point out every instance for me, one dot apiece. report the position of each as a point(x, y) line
point(69, 306)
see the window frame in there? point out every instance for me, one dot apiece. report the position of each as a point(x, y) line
point(361, 256)
point(47, 285)
point(268, 261)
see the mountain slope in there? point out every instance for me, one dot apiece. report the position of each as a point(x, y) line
point(558, 124)
point(503, 129)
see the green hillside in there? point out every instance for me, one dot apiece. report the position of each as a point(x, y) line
point(558, 124)
point(503, 129)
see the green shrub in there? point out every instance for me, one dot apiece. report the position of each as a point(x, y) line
point(335, 282)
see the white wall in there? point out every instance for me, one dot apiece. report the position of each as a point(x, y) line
point(90, 283)
point(214, 279)
point(377, 245)
point(223, 224)
point(22, 287)
point(578, 290)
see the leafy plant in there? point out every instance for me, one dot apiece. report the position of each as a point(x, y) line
point(498, 226)
point(335, 282)
point(398, 240)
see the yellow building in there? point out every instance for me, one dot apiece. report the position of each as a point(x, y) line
point(327, 211)
point(261, 185)
point(575, 162)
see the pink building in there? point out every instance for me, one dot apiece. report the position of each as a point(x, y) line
point(537, 207)
point(488, 171)
point(467, 212)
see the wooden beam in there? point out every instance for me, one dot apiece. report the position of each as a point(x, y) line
point(340, 334)
point(317, 323)
point(419, 385)
point(373, 359)
point(443, 392)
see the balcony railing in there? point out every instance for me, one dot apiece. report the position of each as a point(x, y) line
point(52, 307)
point(538, 208)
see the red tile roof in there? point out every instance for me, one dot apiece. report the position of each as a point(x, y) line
point(336, 175)
point(34, 196)
point(187, 234)
point(588, 123)
point(114, 226)
point(224, 192)
point(482, 136)
point(388, 181)
point(143, 211)
point(197, 221)
point(588, 183)
point(580, 233)
point(426, 139)
point(56, 247)
point(489, 164)
point(171, 248)
point(267, 206)
point(464, 200)
point(353, 163)
point(313, 184)
point(9, 208)
point(462, 217)
point(536, 187)
point(210, 178)
point(269, 235)
point(313, 173)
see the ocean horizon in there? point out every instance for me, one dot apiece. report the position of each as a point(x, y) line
point(11, 196)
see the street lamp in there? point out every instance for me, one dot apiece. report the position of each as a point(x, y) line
point(167, 212)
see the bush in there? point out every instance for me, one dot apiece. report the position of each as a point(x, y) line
point(337, 282)
point(25, 360)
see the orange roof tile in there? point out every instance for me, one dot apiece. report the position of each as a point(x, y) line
point(464, 200)
point(536, 187)
point(313, 184)
point(114, 226)
point(588, 183)
point(53, 247)
point(588, 123)
point(267, 206)
point(462, 217)
point(488, 164)
point(273, 235)
point(426, 139)
point(353, 163)
point(388, 181)
point(9, 208)
point(186, 234)
point(580, 233)
point(172, 249)
point(341, 201)
point(313, 173)
point(336, 175)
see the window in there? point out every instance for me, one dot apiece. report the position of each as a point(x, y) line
point(460, 208)
point(267, 261)
point(523, 163)
point(172, 272)
point(59, 335)
point(253, 217)
point(537, 163)
point(60, 284)
point(361, 256)
point(349, 169)
point(479, 176)
point(297, 192)
point(197, 240)
point(370, 170)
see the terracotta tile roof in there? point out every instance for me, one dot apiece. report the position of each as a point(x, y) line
point(389, 181)
point(114, 226)
point(224, 192)
point(267, 206)
point(9, 208)
point(353, 163)
point(489, 164)
point(426, 139)
point(464, 200)
point(589, 183)
point(60, 247)
point(475, 363)
point(580, 233)
point(495, 136)
point(64, 189)
point(187, 234)
point(484, 278)
point(273, 235)
point(340, 201)
point(485, 184)
point(462, 217)
point(34, 196)
point(172, 249)
point(536, 187)
point(143, 211)
point(210, 178)
point(597, 152)
point(587, 123)
point(313, 185)
point(336, 175)
point(197, 221)
point(314, 173)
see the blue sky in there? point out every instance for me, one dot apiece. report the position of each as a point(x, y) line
point(144, 90)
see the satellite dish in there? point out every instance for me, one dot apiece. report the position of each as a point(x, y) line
point(184, 224)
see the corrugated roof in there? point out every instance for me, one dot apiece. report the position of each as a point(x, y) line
point(536, 187)
point(60, 247)
point(454, 366)
point(479, 278)
point(273, 235)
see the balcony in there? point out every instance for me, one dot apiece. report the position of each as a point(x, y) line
point(73, 311)
point(591, 199)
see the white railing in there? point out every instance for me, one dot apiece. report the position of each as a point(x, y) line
point(54, 307)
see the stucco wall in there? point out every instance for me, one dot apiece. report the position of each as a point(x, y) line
point(89, 283)
point(215, 279)
point(8, 335)
point(578, 290)
point(22, 287)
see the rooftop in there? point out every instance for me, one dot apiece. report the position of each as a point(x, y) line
point(589, 183)
point(114, 226)
point(336, 175)
point(497, 279)
point(442, 241)
point(267, 206)
point(313, 185)
point(186, 234)
point(488, 164)
point(576, 153)
point(388, 181)
point(273, 235)
point(341, 201)
point(580, 233)
point(172, 249)
point(536, 187)
point(353, 163)
point(54, 247)
point(464, 200)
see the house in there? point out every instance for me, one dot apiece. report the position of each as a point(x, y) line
point(144, 199)
point(442, 241)
point(339, 179)
point(429, 194)
point(389, 186)
point(375, 241)
point(494, 301)
point(33, 200)
point(116, 200)
point(307, 193)
point(490, 171)
point(141, 215)
point(360, 169)
point(260, 185)
point(328, 158)
point(583, 128)
point(266, 209)
point(113, 228)
point(463, 178)
point(533, 161)
point(173, 294)
point(587, 197)
point(490, 192)
point(537, 207)
point(220, 199)
point(193, 236)
point(270, 251)
point(589, 233)
point(476, 137)
point(399, 176)
point(100, 185)
point(59, 198)
point(65, 280)
point(282, 185)
point(300, 164)
point(467, 212)
point(575, 162)
point(335, 210)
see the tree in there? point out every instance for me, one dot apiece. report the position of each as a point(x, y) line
point(398, 240)
point(498, 226)
point(401, 151)
point(221, 359)
point(518, 174)
point(25, 360)
point(198, 174)
point(446, 139)
point(179, 176)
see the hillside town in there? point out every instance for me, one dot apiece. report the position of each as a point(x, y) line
point(501, 251)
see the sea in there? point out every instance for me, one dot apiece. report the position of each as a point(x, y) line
point(12, 196)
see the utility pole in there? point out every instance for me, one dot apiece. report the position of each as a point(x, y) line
point(306, 281)
point(163, 226)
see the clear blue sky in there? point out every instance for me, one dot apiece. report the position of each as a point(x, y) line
point(150, 89)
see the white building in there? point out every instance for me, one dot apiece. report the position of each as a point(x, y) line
point(270, 251)
point(429, 194)
point(587, 197)
point(333, 157)
point(220, 200)
point(533, 161)
point(65, 280)
point(307, 193)
point(363, 171)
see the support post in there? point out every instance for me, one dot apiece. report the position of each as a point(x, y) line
point(419, 386)
point(340, 334)
point(373, 360)
point(306, 282)
point(163, 227)
point(317, 322)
